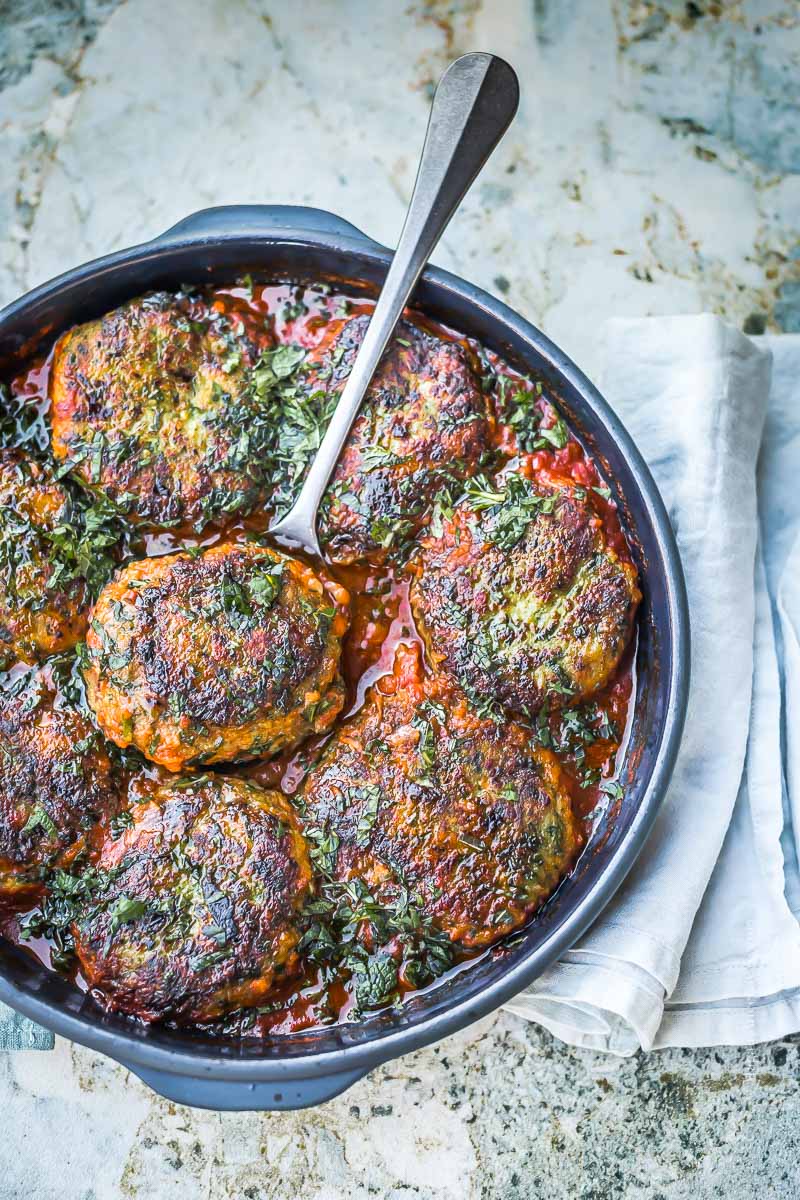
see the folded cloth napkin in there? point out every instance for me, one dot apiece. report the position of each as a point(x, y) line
point(18, 1033)
point(702, 945)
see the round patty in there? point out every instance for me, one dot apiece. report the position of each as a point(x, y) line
point(519, 598)
point(227, 656)
point(43, 599)
point(155, 403)
point(196, 907)
point(56, 782)
point(424, 423)
point(420, 796)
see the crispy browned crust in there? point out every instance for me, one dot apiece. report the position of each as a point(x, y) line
point(419, 792)
point(425, 422)
point(153, 402)
point(545, 620)
point(56, 782)
point(228, 656)
point(197, 914)
point(39, 615)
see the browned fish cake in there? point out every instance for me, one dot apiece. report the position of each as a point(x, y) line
point(227, 656)
point(425, 422)
point(43, 597)
point(519, 598)
point(418, 794)
point(56, 783)
point(196, 910)
point(154, 403)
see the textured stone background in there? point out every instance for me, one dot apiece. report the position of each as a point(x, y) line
point(654, 168)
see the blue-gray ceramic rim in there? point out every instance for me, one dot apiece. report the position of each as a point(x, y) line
point(283, 241)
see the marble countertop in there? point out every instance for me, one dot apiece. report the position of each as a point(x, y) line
point(654, 168)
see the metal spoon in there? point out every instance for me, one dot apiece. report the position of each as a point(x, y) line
point(473, 106)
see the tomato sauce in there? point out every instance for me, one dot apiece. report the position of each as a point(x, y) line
point(381, 613)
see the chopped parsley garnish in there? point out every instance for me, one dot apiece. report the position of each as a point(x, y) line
point(371, 797)
point(374, 979)
point(402, 940)
point(295, 416)
point(374, 457)
point(536, 423)
point(555, 435)
point(124, 910)
point(120, 822)
point(572, 731)
point(69, 898)
point(510, 506)
point(202, 961)
point(265, 584)
point(40, 819)
point(81, 544)
point(324, 848)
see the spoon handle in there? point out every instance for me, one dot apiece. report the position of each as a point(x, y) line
point(473, 106)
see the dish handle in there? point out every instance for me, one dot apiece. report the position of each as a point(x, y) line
point(237, 1096)
point(261, 220)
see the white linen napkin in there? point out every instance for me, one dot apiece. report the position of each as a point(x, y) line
point(701, 946)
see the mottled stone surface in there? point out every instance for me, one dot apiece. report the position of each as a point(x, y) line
point(41, 28)
point(654, 168)
point(503, 1111)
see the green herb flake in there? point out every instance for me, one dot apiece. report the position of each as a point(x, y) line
point(370, 797)
point(40, 819)
point(124, 910)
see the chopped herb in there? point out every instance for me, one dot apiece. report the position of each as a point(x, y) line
point(265, 584)
point(509, 511)
point(390, 531)
point(371, 797)
point(124, 910)
point(324, 848)
point(277, 365)
point(377, 456)
point(120, 822)
point(482, 495)
point(23, 421)
point(426, 746)
point(556, 435)
point(202, 961)
point(375, 978)
point(40, 819)
point(68, 899)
